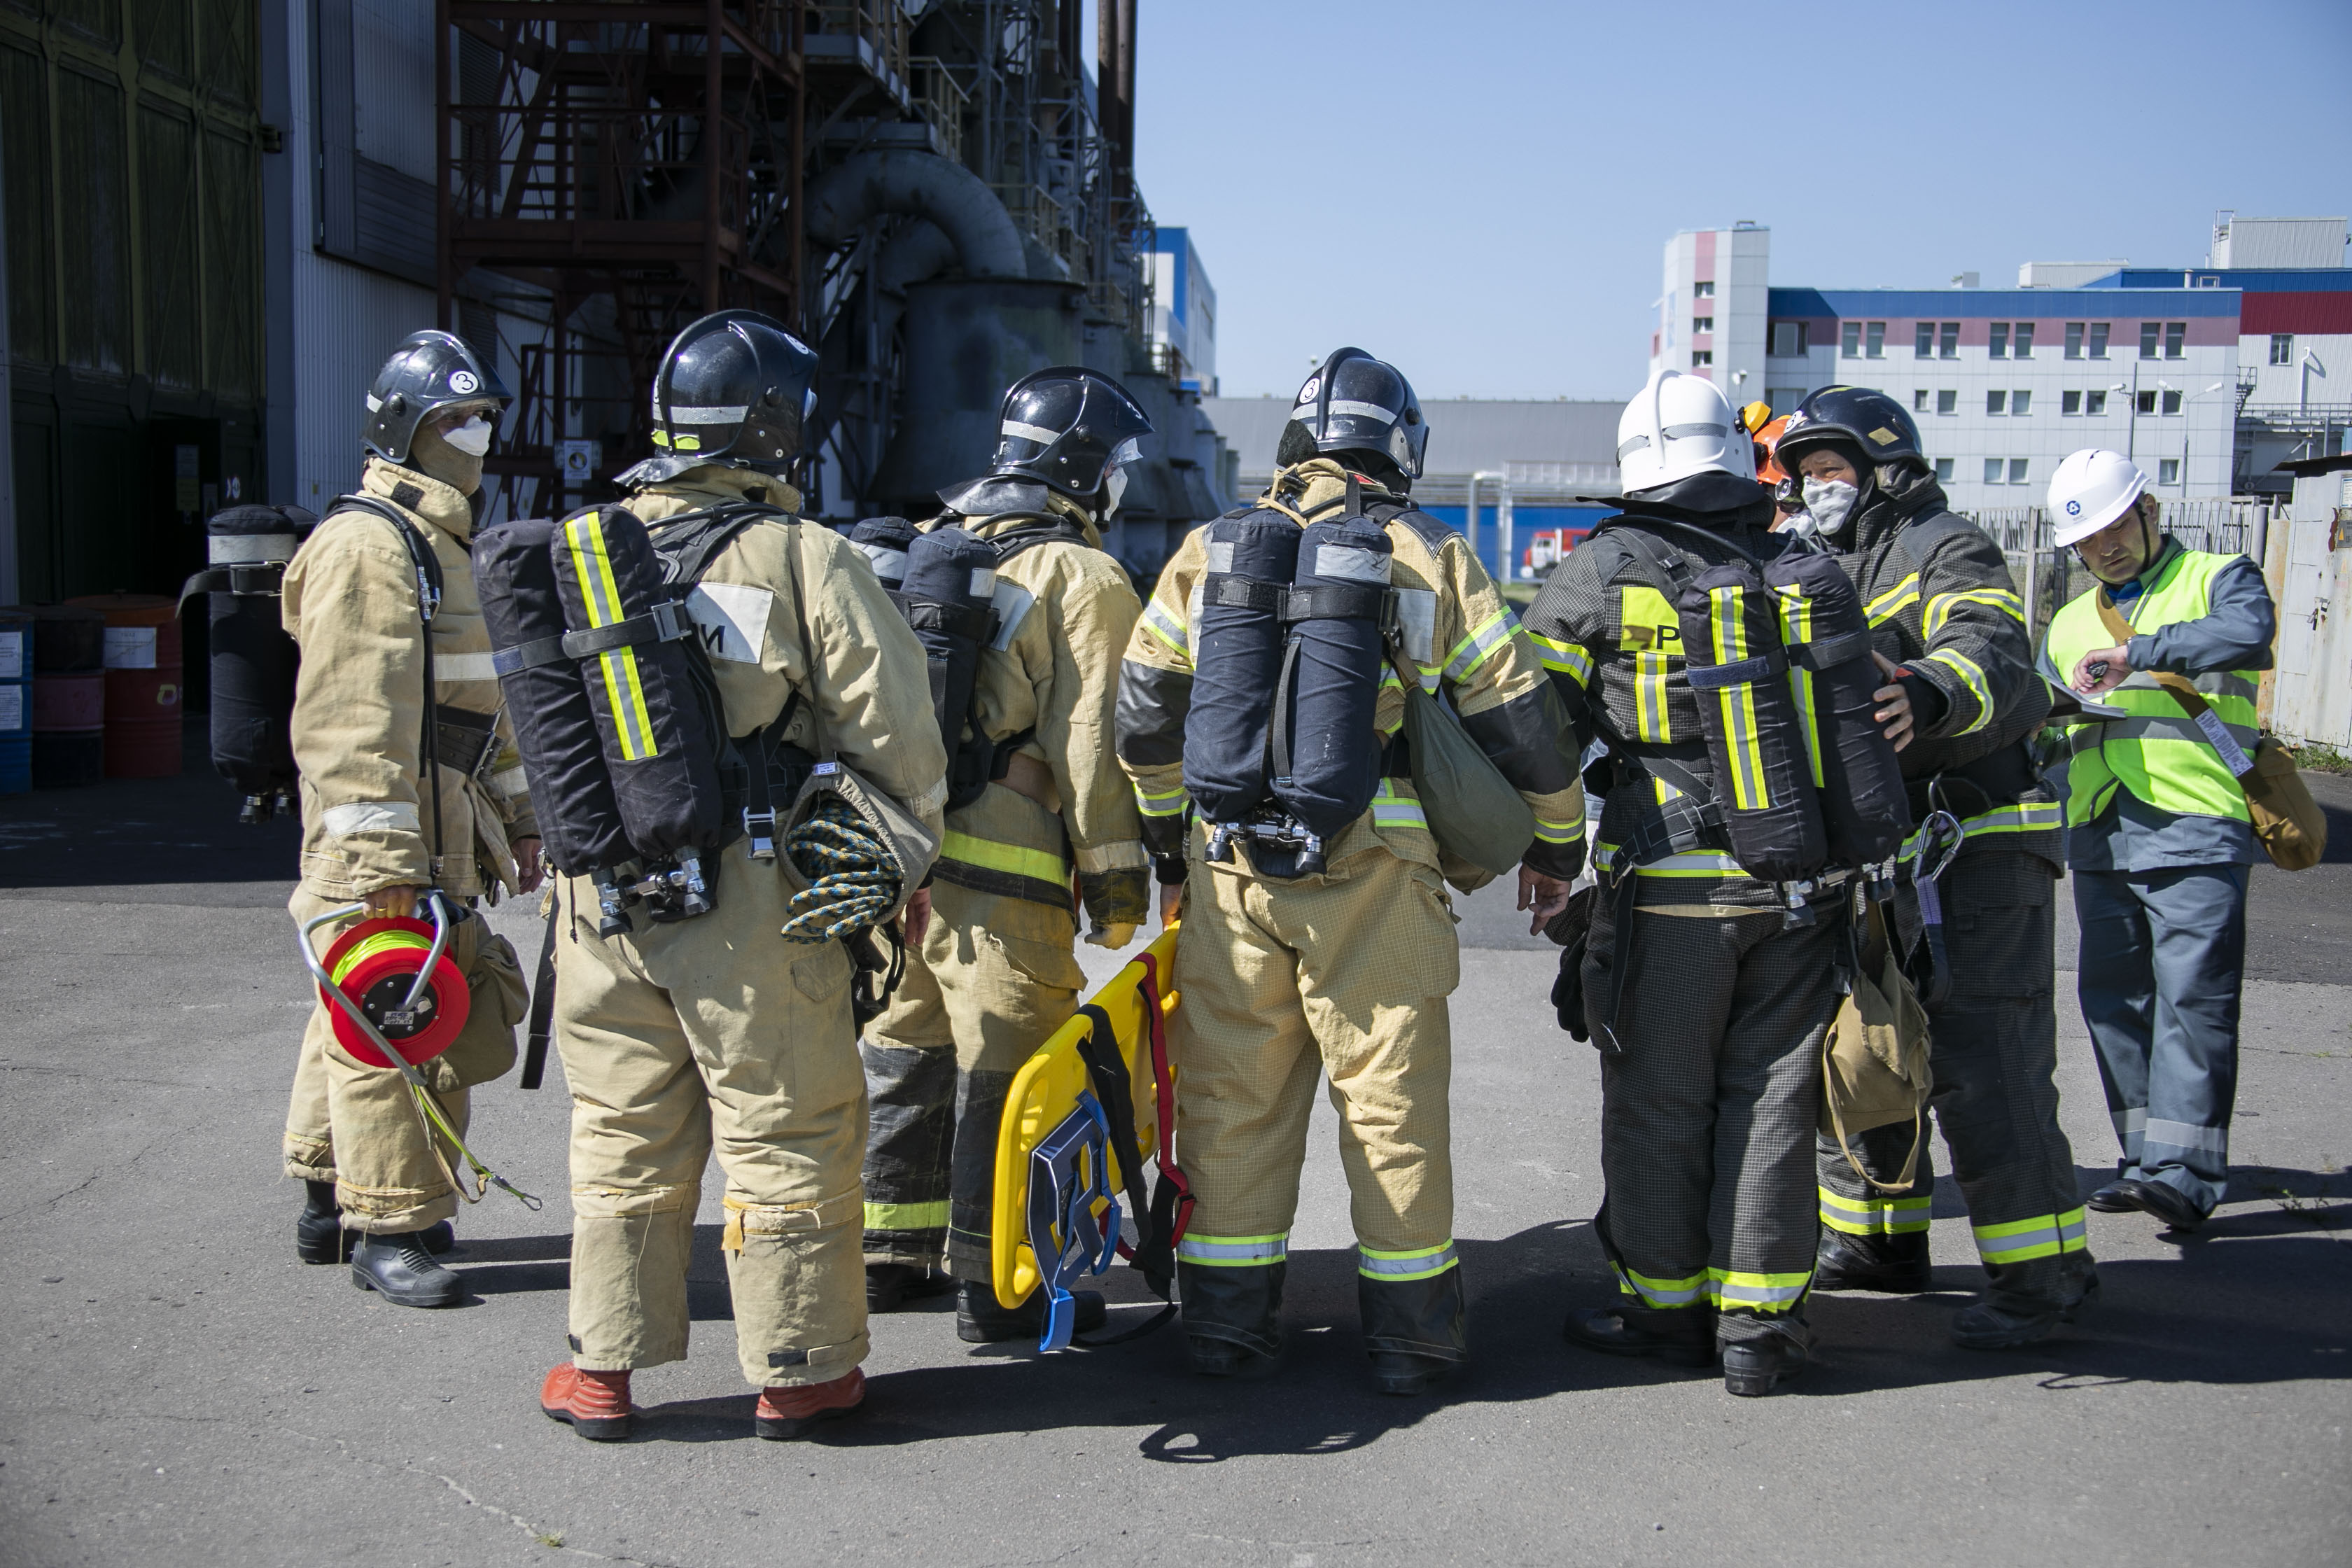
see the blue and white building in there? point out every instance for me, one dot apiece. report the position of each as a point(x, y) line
point(1183, 313)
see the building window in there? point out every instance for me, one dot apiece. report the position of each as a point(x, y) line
point(2149, 332)
point(2070, 403)
point(1944, 470)
point(2095, 402)
point(2074, 340)
point(2017, 469)
point(2175, 335)
point(1850, 339)
point(1702, 356)
point(2144, 401)
point(1789, 338)
point(2020, 402)
point(2172, 403)
point(1996, 403)
point(1920, 401)
point(2281, 348)
point(1948, 340)
point(1702, 290)
point(2099, 339)
point(1923, 342)
point(1947, 401)
point(1994, 468)
point(1875, 340)
point(2022, 342)
point(2167, 472)
point(1999, 340)
point(1701, 323)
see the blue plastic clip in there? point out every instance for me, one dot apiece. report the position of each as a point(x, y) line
point(1067, 1175)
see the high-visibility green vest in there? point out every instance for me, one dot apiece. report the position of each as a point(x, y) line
point(2158, 752)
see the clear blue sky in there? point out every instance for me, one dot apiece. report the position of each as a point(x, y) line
point(1480, 190)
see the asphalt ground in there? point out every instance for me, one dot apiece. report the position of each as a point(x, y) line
point(175, 1388)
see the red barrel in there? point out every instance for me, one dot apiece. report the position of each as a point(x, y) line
point(68, 727)
point(143, 680)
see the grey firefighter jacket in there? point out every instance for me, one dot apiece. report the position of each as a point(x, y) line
point(1460, 636)
point(1065, 612)
point(351, 600)
point(1941, 605)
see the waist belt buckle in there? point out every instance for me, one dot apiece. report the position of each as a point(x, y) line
point(759, 827)
point(671, 623)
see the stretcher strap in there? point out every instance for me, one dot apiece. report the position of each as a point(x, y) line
point(542, 1007)
point(1154, 1254)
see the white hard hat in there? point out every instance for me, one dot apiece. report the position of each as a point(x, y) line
point(1678, 425)
point(2091, 489)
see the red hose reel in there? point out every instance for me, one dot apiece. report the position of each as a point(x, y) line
point(376, 964)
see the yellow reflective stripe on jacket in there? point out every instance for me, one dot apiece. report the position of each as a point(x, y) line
point(1233, 1251)
point(1168, 628)
point(1890, 604)
point(1563, 658)
point(1687, 1291)
point(1424, 1263)
point(1973, 678)
point(1474, 649)
point(1760, 1292)
point(1390, 809)
point(1690, 863)
point(1941, 608)
point(1728, 632)
point(584, 535)
point(907, 1216)
point(1172, 804)
point(2024, 817)
point(2043, 1235)
point(1875, 1217)
point(1559, 832)
point(1651, 721)
point(1016, 859)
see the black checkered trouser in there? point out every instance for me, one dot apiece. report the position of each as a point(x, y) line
point(1706, 1139)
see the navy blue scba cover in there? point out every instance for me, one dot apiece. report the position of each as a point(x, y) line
point(946, 594)
point(1326, 745)
point(1237, 653)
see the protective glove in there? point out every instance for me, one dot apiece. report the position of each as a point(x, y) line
point(1117, 903)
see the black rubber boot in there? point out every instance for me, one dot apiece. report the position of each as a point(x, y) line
point(1889, 1264)
point(400, 1269)
point(2024, 1314)
point(319, 1235)
point(1682, 1335)
point(1755, 1367)
point(890, 1285)
point(1415, 1330)
point(981, 1322)
point(1232, 1317)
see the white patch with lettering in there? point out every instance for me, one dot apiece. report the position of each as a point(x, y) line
point(732, 619)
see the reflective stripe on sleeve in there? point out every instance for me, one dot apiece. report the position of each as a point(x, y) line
point(1169, 628)
point(1016, 859)
point(1875, 1217)
point(2021, 1240)
point(1941, 608)
point(1172, 804)
point(1974, 679)
point(372, 817)
point(1563, 658)
point(907, 1216)
point(454, 666)
point(1474, 650)
point(1890, 604)
point(1425, 1263)
point(1559, 832)
point(1233, 1251)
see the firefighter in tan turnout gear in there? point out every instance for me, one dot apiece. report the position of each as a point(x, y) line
point(683, 1034)
point(1259, 712)
point(1036, 797)
point(373, 832)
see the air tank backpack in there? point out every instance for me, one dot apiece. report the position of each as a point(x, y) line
point(884, 542)
point(1237, 653)
point(253, 661)
point(1851, 763)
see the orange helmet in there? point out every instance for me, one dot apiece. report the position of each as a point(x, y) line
point(1768, 466)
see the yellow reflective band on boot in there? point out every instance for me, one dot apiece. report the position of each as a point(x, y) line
point(1425, 1263)
point(1563, 658)
point(1233, 1251)
point(586, 536)
point(1172, 804)
point(2043, 1235)
point(1875, 1217)
point(1759, 1292)
point(907, 1216)
point(1014, 859)
point(1689, 1292)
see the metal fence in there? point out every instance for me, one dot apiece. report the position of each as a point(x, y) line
point(2048, 576)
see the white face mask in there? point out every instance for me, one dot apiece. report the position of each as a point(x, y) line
point(1830, 503)
point(1113, 488)
point(472, 438)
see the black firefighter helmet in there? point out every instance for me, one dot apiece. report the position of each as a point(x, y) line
point(430, 371)
point(1069, 427)
point(1354, 403)
point(735, 389)
point(1871, 423)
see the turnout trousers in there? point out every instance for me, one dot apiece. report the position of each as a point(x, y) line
point(357, 1126)
point(1994, 1047)
point(712, 1033)
point(2163, 965)
point(1341, 976)
point(1707, 1116)
point(996, 974)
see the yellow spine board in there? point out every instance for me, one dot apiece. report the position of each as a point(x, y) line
point(1045, 1091)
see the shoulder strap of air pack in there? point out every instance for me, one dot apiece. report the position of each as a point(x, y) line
point(1044, 530)
point(689, 552)
point(1668, 574)
point(427, 567)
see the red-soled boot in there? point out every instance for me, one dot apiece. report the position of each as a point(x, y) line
point(788, 1412)
point(595, 1403)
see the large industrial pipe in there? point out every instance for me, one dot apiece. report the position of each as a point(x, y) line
point(917, 184)
point(1115, 88)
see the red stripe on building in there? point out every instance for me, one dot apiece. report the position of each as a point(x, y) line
point(2320, 314)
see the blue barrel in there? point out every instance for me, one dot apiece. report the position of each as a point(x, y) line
point(15, 700)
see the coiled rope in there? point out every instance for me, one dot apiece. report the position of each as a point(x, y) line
point(852, 880)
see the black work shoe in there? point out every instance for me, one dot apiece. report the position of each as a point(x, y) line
point(1403, 1372)
point(981, 1322)
point(2111, 1199)
point(1991, 1325)
point(319, 1235)
point(1755, 1367)
point(1223, 1358)
point(1684, 1336)
point(890, 1285)
point(2169, 1204)
point(403, 1271)
point(1889, 1264)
